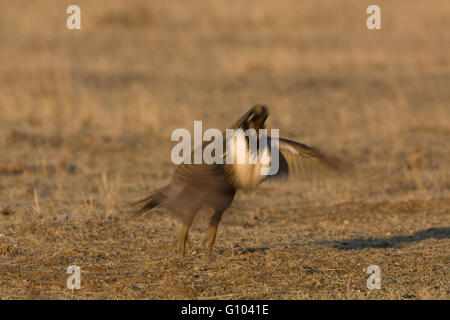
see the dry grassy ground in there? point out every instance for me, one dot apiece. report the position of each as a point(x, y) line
point(85, 123)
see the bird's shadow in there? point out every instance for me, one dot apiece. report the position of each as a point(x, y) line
point(388, 242)
point(239, 250)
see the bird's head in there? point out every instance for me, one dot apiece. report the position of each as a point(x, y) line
point(255, 117)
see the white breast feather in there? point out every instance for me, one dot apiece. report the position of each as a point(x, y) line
point(246, 175)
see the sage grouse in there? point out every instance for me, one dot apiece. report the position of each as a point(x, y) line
point(194, 186)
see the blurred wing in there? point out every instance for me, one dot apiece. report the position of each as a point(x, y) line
point(303, 162)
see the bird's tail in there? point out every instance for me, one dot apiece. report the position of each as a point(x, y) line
point(157, 198)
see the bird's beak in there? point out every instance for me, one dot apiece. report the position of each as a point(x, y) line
point(257, 117)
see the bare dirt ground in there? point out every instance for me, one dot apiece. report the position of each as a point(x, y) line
point(85, 124)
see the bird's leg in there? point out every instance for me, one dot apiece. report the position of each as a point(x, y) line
point(187, 221)
point(184, 233)
point(183, 238)
point(212, 229)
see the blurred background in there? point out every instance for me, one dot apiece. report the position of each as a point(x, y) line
point(138, 70)
point(86, 115)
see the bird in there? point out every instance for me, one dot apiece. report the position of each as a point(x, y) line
point(194, 186)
